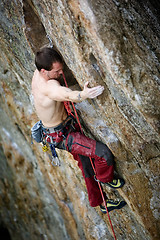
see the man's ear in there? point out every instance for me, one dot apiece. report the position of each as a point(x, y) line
point(43, 71)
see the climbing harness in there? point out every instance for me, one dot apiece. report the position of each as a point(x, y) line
point(100, 188)
point(54, 136)
point(39, 134)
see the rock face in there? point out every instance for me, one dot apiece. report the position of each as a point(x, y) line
point(114, 43)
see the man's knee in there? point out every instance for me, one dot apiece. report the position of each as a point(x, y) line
point(104, 152)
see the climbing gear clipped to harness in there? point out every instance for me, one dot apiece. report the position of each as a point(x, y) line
point(37, 133)
point(45, 148)
point(54, 159)
point(54, 136)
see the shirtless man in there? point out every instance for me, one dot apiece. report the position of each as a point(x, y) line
point(49, 97)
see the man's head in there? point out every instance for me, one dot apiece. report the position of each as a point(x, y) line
point(49, 63)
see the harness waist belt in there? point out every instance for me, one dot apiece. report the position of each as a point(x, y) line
point(59, 126)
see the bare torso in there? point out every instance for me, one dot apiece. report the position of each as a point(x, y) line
point(49, 111)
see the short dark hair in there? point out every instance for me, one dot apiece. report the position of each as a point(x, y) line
point(45, 57)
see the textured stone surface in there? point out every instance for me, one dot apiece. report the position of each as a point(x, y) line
point(113, 43)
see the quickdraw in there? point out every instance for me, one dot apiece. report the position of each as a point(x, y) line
point(54, 160)
point(48, 139)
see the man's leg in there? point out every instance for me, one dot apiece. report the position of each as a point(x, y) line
point(78, 143)
point(106, 157)
point(94, 194)
point(84, 147)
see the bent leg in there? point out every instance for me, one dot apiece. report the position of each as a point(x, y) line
point(80, 144)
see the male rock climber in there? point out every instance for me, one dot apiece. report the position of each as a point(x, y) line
point(49, 97)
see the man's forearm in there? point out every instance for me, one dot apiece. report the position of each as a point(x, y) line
point(76, 96)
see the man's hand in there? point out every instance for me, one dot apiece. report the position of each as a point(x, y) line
point(91, 92)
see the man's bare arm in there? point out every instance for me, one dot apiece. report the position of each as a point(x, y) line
point(59, 93)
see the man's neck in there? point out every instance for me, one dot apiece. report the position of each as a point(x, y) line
point(44, 76)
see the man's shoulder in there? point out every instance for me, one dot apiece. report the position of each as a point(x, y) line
point(35, 76)
point(52, 82)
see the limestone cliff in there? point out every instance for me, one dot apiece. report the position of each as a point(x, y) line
point(114, 43)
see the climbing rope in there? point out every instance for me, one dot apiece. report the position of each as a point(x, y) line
point(100, 188)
